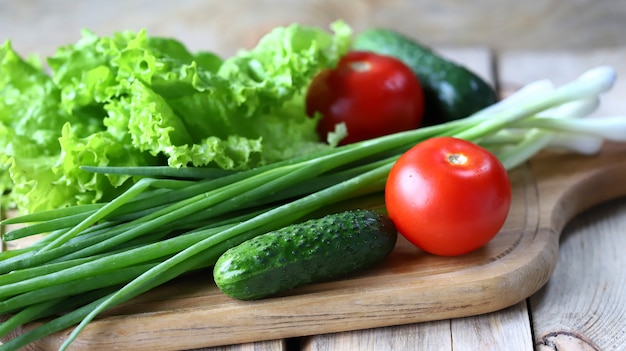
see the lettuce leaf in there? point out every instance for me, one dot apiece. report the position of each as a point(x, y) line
point(30, 123)
point(130, 99)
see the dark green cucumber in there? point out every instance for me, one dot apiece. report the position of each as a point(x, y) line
point(451, 90)
point(313, 251)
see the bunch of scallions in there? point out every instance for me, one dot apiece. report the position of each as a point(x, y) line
point(173, 221)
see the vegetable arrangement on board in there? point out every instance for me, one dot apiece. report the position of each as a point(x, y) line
point(140, 162)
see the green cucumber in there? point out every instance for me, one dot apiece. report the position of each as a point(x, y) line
point(451, 91)
point(313, 251)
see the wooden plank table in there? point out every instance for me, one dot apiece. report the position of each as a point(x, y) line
point(582, 307)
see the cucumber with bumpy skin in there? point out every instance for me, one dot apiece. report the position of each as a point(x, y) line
point(313, 251)
point(451, 91)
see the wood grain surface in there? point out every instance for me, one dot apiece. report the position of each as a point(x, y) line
point(41, 26)
point(582, 305)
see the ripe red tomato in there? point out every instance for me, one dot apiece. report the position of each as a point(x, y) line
point(448, 196)
point(373, 94)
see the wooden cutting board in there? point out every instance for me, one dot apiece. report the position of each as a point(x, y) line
point(410, 286)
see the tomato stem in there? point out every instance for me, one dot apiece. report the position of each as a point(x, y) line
point(457, 159)
point(360, 66)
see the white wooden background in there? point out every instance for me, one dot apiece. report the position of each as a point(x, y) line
point(40, 25)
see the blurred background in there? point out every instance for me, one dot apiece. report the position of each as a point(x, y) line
point(40, 26)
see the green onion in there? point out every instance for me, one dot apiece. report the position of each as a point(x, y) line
point(176, 220)
point(163, 171)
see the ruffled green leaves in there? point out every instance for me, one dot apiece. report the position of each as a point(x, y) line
point(129, 99)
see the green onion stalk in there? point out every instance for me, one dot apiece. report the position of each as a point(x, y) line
point(172, 222)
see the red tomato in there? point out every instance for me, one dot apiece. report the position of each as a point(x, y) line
point(448, 196)
point(373, 94)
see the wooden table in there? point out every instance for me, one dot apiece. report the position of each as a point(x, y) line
point(582, 307)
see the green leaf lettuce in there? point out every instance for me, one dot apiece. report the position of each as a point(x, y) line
point(130, 99)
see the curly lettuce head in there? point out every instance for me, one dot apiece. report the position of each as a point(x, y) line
point(133, 100)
